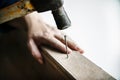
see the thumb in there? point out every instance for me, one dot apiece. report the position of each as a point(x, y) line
point(35, 51)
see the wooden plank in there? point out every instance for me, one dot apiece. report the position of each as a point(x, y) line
point(17, 63)
point(76, 67)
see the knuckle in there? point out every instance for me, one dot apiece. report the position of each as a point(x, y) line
point(46, 34)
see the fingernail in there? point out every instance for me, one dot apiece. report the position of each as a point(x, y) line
point(81, 51)
point(40, 61)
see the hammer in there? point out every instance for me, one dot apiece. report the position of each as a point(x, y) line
point(23, 7)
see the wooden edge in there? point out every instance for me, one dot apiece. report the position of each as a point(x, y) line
point(56, 65)
point(76, 67)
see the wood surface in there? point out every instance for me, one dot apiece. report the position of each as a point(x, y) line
point(76, 66)
point(17, 63)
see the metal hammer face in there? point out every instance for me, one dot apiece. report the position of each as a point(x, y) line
point(56, 6)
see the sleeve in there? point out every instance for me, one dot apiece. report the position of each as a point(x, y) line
point(4, 3)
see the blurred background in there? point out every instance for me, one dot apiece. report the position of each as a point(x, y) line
point(96, 29)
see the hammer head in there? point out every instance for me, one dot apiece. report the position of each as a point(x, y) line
point(56, 6)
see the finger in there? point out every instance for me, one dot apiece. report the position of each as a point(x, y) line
point(70, 42)
point(53, 42)
point(35, 52)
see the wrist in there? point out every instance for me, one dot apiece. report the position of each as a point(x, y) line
point(34, 22)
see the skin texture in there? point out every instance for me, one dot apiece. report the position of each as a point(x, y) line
point(40, 33)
